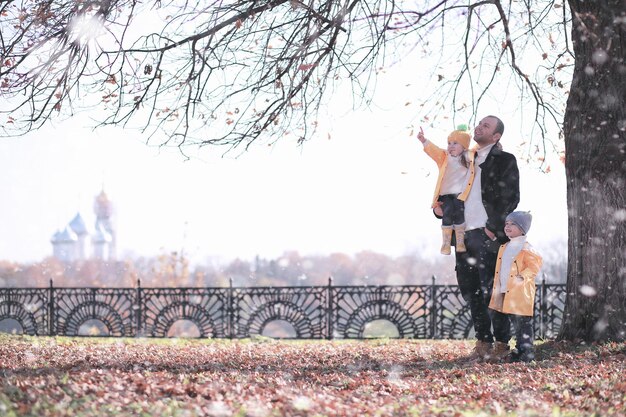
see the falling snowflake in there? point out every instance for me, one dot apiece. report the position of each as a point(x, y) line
point(587, 291)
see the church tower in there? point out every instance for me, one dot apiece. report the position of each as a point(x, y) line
point(64, 245)
point(105, 232)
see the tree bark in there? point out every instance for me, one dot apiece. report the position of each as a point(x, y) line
point(595, 146)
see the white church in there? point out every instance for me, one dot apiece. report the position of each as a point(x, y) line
point(76, 242)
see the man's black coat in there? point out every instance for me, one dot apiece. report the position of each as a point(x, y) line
point(499, 184)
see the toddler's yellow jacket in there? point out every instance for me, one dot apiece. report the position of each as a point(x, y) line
point(519, 298)
point(440, 156)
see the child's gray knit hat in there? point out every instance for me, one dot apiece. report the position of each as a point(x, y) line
point(522, 219)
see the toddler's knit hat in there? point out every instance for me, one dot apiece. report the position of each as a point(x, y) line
point(460, 135)
point(522, 219)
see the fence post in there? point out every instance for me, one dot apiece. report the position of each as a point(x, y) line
point(138, 309)
point(544, 306)
point(329, 310)
point(433, 309)
point(51, 317)
point(231, 310)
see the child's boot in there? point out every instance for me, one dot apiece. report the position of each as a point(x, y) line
point(459, 232)
point(447, 240)
point(526, 352)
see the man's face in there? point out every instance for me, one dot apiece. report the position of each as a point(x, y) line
point(484, 133)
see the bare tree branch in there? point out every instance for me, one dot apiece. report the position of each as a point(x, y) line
point(231, 72)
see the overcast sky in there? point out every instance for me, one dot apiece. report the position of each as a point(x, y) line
point(366, 188)
point(362, 183)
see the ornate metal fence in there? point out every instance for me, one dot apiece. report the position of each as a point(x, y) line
point(313, 312)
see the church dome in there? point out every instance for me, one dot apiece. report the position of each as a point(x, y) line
point(78, 225)
point(77, 242)
point(102, 206)
point(64, 236)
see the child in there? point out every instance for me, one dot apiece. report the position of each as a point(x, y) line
point(513, 296)
point(456, 173)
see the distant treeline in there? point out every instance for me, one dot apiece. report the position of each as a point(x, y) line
point(291, 269)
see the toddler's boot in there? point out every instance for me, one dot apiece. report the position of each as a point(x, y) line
point(447, 240)
point(526, 352)
point(459, 232)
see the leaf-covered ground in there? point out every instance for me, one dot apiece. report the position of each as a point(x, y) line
point(146, 377)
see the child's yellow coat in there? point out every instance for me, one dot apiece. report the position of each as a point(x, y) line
point(440, 156)
point(519, 298)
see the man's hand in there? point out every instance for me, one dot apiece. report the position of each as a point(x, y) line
point(489, 234)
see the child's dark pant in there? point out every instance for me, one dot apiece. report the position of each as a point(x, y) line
point(524, 332)
point(453, 210)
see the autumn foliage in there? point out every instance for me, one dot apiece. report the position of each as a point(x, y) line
point(173, 269)
point(264, 377)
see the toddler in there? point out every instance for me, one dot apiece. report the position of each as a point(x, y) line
point(513, 295)
point(456, 172)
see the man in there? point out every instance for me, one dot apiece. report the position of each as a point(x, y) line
point(493, 195)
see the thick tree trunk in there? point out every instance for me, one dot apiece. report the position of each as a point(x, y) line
point(595, 146)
